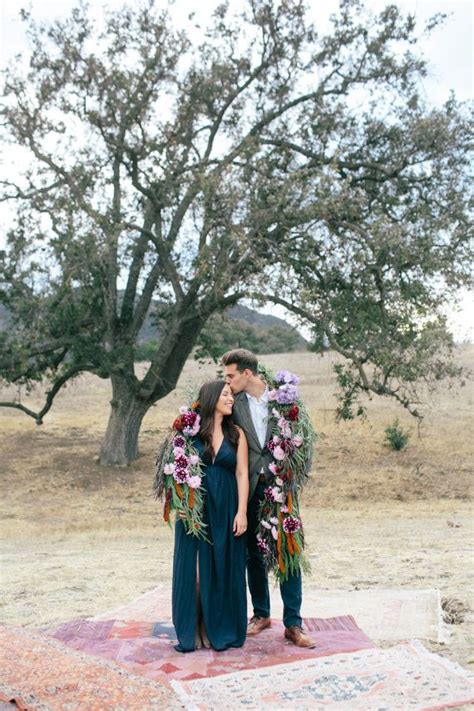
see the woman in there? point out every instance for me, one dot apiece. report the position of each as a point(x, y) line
point(209, 591)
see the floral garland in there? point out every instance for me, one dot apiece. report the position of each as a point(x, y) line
point(280, 536)
point(179, 473)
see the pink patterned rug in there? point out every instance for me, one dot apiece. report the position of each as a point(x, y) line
point(147, 648)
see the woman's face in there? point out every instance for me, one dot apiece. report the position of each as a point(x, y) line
point(225, 402)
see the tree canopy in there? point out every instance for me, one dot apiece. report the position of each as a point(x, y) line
point(267, 161)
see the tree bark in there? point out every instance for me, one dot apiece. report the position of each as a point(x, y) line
point(131, 399)
point(120, 444)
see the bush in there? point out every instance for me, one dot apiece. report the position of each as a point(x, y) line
point(396, 437)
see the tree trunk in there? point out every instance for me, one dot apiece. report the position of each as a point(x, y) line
point(120, 445)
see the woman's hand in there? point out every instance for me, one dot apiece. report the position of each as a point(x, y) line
point(240, 523)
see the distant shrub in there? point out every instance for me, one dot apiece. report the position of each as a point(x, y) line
point(396, 437)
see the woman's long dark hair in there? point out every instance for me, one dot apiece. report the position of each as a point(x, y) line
point(209, 395)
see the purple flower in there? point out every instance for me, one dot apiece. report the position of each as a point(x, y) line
point(179, 441)
point(291, 524)
point(262, 546)
point(284, 376)
point(284, 395)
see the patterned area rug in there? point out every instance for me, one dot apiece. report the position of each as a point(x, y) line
point(403, 677)
point(383, 614)
point(147, 648)
point(40, 673)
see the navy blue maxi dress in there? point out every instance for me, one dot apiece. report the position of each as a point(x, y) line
point(222, 586)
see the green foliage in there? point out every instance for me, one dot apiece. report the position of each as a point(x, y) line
point(222, 333)
point(279, 170)
point(395, 436)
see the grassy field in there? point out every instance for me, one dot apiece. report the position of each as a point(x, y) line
point(79, 539)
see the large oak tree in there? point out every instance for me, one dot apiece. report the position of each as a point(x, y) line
point(267, 161)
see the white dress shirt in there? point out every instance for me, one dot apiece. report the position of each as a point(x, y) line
point(259, 413)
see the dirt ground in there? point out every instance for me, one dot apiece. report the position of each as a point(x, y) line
point(79, 539)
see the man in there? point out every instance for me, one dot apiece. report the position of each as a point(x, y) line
point(252, 413)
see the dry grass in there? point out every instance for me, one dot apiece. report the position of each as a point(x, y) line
point(80, 539)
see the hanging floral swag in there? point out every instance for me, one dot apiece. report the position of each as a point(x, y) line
point(280, 535)
point(179, 473)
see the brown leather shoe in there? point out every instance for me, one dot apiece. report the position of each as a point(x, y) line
point(258, 624)
point(296, 635)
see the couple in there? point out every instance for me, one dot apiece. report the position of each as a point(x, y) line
point(209, 592)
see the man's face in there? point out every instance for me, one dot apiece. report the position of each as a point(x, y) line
point(237, 380)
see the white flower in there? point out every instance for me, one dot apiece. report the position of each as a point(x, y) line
point(274, 533)
point(274, 520)
point(183, 409)
point(266, 525)
point(193, 481)
point(297, 440)
point(277, 494)
point(194, 459)
point(168, 468)
point(284, 508)
point(278, 453)
point(279, 481)
point(275, 413)
point(285, 428)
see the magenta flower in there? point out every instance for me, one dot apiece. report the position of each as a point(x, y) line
point(268, 493)
point(180, 476)
point(291, 524)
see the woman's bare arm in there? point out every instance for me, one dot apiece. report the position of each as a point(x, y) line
point(242, 476)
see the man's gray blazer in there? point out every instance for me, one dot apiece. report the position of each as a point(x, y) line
point(259, 458)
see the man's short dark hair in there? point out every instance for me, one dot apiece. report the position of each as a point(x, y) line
point(242, 358)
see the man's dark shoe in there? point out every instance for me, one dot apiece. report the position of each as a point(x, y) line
point(296, 635)
point(258, 624)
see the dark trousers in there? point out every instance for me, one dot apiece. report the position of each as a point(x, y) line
point(290, 590)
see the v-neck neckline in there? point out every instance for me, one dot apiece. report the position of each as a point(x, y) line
point(217, 453)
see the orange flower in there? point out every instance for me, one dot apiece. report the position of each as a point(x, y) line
point(179, 490)
point(196, 405)
point(166, 512)
point(289, 544)
point(191, 498)
point(289, 502)
point(295, 544)
point(177, 424)
point(281, 564)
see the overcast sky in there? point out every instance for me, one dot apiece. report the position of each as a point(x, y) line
point(450, 53)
